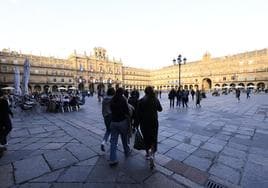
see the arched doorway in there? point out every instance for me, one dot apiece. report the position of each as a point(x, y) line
point(241, 85)
point(54, 88)
point(46, 88)
point(81, 86)
point(260, 86)
point(217, 86)
point(232, 85)
point(37, 88)
point(206, 84)
point(250, 84)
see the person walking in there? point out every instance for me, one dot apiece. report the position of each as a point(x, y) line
point(198, 98)
point(248, 93)
point(171, 97)
point(5, 121)
point(192, 93)
point(119, 125)
point(185, 94)
point(100, 89)
point(179, 97)
point(107, 115)
point(133, 100)
point(148, 107)
point(237, 94)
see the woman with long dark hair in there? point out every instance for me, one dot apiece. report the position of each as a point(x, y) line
point(148, 107)
point(119, 125)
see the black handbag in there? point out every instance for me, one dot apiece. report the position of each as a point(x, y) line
point(139, 142)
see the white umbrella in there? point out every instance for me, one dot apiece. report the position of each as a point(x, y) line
point(73, 88)
point(17, 81)
point(239, 86)
point(26, 76)
point(8, 88)
point(61, 88)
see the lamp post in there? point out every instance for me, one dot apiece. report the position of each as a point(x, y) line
point(179, 61)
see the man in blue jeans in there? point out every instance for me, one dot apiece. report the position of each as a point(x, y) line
point(119, 125)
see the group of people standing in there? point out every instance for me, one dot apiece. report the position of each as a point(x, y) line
point(123, 115)
point(182, 97)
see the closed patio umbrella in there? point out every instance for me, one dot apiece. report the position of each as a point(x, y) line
point(26, 76)
point(8, 88)
point(17, 81)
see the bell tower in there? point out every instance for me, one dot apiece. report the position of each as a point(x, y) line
point(100, 53)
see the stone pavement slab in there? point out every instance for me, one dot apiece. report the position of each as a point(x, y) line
point(30, 168)
point(224, 141)
point(59, 159)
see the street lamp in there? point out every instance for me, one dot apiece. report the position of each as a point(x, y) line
point(179, 61)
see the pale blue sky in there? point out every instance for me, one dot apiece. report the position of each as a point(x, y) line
point(144, 33)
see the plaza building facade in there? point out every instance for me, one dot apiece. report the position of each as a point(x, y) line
point(136, 78)
point(48, 73)
point(87, 72)
point(249, 69)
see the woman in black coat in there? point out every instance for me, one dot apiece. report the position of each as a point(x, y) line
point(5, 122)
point(148, 107)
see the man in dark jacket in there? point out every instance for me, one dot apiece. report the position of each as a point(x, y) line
point(171, 97)
point(5, 122)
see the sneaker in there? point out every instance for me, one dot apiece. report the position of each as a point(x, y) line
point(102, 147)
point(147, 156)
point(151, 163)
point(113, 163)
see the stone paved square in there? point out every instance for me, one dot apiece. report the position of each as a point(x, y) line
point(223, 140)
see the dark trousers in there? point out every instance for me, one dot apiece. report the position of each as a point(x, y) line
point(184, 103)
point(179, 102)
point(4, 131)
point(172, 103)
point(107, 121)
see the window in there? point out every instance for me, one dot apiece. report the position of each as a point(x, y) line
point(2, 60)
point(62, 80)
point(70, 80)
point(54, 80)
point(224, 78)
point(4, 68)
